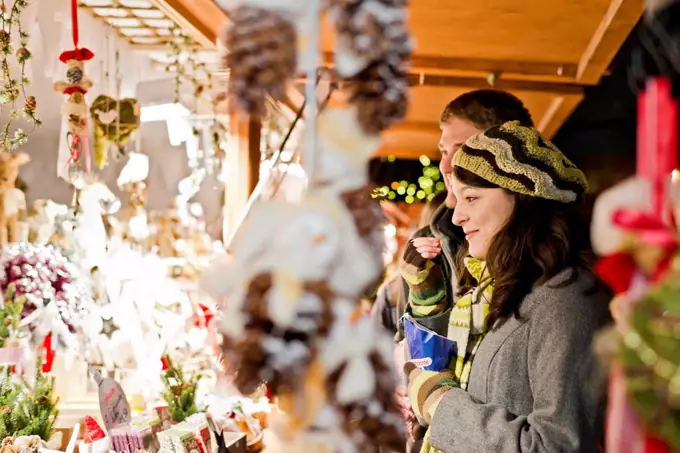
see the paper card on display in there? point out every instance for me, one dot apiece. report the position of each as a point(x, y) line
point(113, 404)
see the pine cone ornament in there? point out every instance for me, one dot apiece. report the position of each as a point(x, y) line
point(31, 104)
point(369, 221)
point(74, 75)
point(373, 29)
point(23, 54)
point(380, 93)
point(276, 356)
point(261, 57)
point(373, 422)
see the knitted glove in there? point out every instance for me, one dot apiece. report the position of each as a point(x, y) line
point(427, 289)
point(426, 389)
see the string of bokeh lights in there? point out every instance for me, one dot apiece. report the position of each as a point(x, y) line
point(425, 189)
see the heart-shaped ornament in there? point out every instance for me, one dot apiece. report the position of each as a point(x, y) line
point(114, 123)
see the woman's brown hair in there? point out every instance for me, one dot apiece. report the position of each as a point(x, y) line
point(540, 239)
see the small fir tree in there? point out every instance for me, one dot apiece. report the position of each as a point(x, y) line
point(179, 393)
point(10, 314)
point(28, 410)
point(10, 394)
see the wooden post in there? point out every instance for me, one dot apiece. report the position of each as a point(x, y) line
point(243, 167)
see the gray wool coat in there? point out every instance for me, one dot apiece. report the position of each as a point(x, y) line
point(535, 384)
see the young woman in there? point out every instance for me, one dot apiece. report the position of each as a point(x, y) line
point(525, 378)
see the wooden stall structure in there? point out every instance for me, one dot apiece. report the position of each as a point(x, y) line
point(546, 53)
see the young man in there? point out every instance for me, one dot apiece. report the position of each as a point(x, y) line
point(390, 301)
point(465, 116)
point(431, 251)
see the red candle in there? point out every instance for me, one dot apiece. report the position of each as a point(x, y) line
point(657, 144)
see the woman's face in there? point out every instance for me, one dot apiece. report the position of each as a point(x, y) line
point(481, 213)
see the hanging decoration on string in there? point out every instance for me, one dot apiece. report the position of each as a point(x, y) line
point(287, 320)
point(13, 86)
point(115, 120)
point(189, 70)
point(75, 87)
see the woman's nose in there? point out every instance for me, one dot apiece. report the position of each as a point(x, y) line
point(459, 217)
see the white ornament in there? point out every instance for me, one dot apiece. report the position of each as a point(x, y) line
point(345, 149)
point(357, 381)
point(284, 297)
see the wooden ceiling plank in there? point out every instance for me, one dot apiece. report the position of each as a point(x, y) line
point(427, 64)
point(501, 84)
point(430, 127)
point(619, 20)
point(407, 153)
point(203, 18)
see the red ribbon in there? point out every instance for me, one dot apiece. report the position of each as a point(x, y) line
point(617, 271)
point(77, 143)
point(74, 21)
point(48, 358)
point(76, 54)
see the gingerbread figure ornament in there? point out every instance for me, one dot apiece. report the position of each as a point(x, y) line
point(75, 86)
point(12, 200)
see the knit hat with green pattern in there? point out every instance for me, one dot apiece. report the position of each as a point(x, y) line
point(521, 160)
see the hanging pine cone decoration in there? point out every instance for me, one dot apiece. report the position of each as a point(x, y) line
point(373, 29)
point(258, 355)
point(23, 54)
point(380, 93)
point(74, 75)
point(375, 422)
point(31, 104)
point(261, 57)
point(4, 40)
point(369, 221)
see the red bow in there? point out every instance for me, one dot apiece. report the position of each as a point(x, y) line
point(83, 54)
point(70, 90)
point(618, 269)
point(203, 318)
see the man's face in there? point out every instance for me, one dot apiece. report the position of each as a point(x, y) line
point(455, 132)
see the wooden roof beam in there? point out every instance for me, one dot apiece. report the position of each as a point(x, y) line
point(407, 153)
point(617, 23)
point(203, 19)
point(433, 65)
point(473, 83)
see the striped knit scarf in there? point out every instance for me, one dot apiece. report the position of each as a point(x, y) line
point(467, 327)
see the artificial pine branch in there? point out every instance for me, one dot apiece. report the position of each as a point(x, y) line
point(10, 393)
point(10, 314)
point(179, 393)
point(34, 411)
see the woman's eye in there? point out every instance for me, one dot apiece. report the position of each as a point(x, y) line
point(470, 199)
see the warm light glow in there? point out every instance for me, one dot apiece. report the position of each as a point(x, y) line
point(675, 176)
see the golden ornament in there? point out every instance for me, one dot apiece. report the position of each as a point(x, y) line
point(31, 104)
point(23, 53)
point(10, 94)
